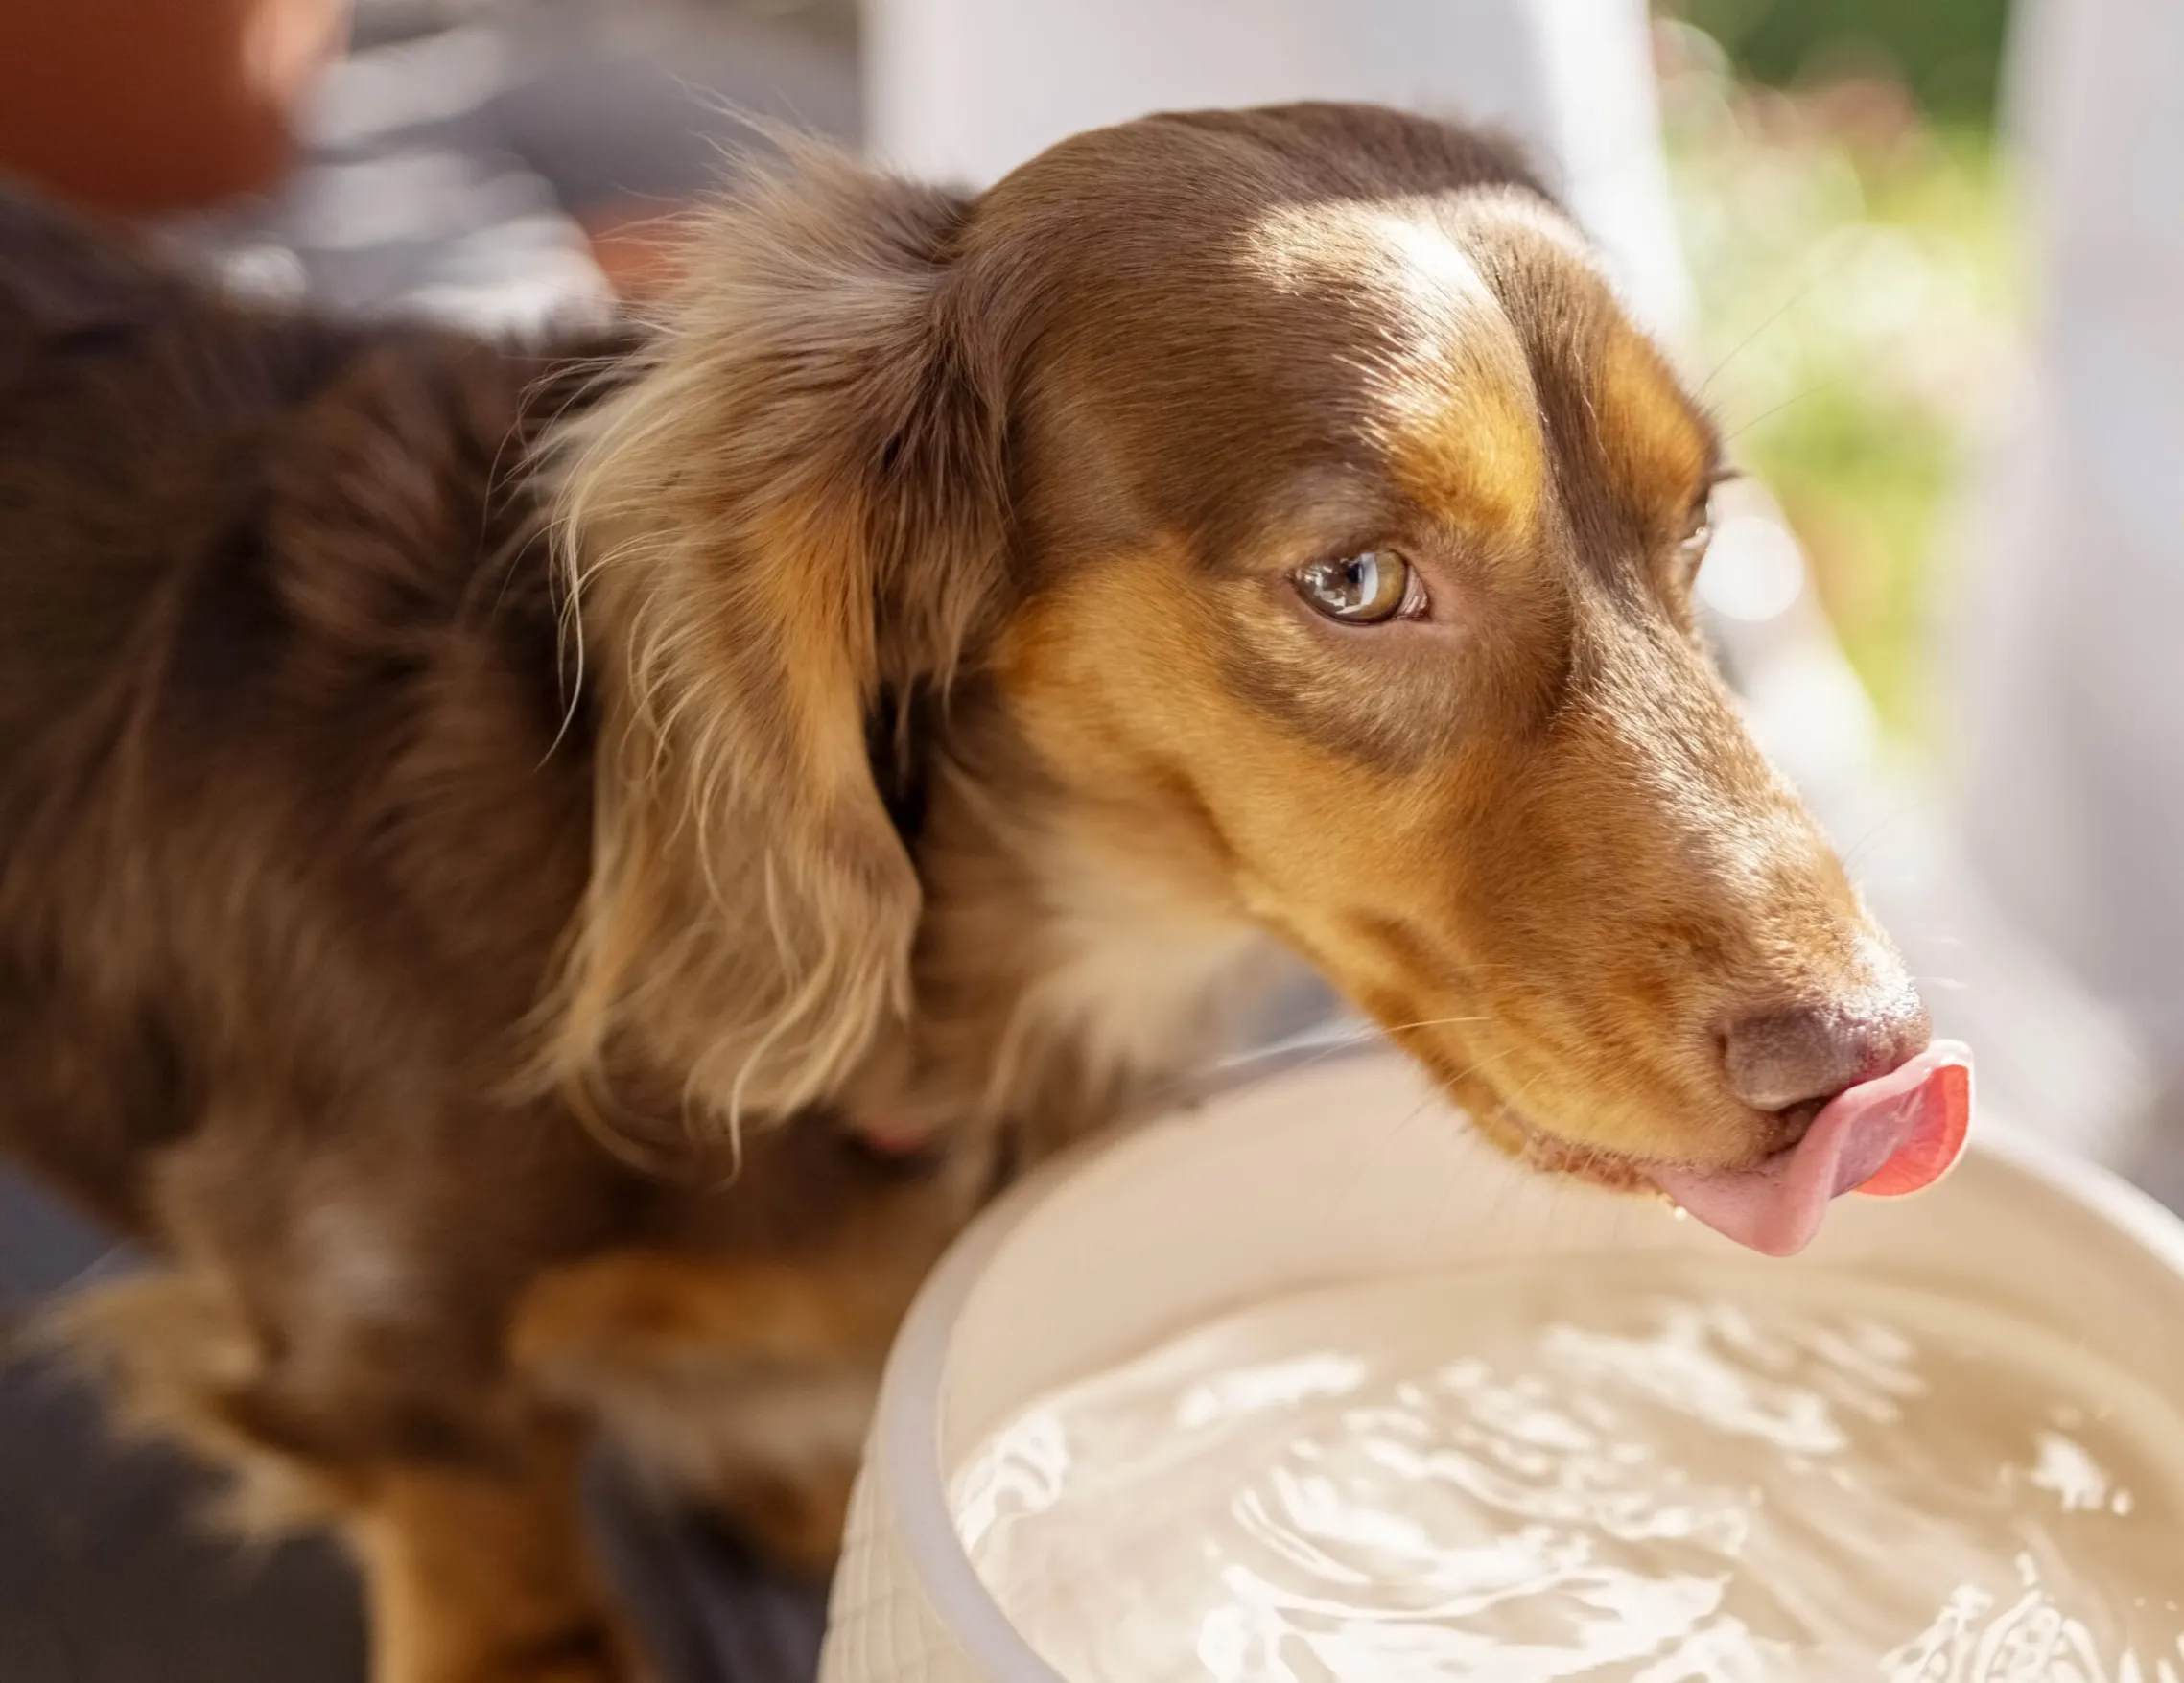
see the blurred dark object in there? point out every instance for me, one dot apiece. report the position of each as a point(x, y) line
point(157, 106)
point(106, 1576)
point(1948, 51)
point(106, 1573)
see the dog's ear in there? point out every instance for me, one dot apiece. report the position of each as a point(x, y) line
point(795, 508)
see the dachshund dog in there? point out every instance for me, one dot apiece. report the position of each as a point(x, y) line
point(495, 840)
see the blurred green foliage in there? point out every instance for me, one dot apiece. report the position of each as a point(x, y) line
point(1947, 51)
point(1855, 270)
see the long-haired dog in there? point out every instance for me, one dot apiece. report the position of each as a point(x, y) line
point(490, 836)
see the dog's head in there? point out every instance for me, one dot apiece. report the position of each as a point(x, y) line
point(1311, 509)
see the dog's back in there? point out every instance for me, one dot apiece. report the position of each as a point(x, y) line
point(243, 553)
point(120, 388)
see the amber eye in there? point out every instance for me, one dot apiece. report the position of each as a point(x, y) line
point(1360, 590)
point(1691, 549)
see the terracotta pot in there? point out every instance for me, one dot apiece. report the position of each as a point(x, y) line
point(152, 105)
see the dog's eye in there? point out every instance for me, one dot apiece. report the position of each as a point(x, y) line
point(1361, 590)
point(1691, 549)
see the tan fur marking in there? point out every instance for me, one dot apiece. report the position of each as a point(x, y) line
point(1477, 464)
point(483, 1576)
point(1456, 409)
point(1265, 808)
point(749, 1385)
point(1654, 445)
point(630, 1310)
point(1657, 451)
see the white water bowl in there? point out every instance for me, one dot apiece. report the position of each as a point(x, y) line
point(1336, 1170)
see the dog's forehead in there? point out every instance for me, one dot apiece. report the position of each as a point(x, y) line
point(1396, 252)
point(1440, 375)
point(1481, 342)
point(1621, 413)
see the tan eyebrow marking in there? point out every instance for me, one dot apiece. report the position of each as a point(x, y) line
point(1658, 452)
point(1656, 449)
point(1454, 405)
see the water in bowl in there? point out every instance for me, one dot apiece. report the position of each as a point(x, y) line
point(1608, 1468)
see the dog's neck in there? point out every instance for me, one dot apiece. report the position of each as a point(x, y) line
point(1074, 962)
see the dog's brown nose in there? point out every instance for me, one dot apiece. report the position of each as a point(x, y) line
point(1805, 1056)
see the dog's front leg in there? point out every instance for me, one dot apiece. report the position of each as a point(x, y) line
point(483, 1573)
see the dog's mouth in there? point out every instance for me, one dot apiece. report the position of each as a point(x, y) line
point(1886, 1137)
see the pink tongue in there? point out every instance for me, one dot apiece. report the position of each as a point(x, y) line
point(1889, 1137)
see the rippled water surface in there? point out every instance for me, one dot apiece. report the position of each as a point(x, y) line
point(1640, 1469)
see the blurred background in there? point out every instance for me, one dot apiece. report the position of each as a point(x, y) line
point(1849, 219)
point(1924, 259)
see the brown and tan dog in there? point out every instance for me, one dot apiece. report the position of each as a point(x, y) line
point(458, 804)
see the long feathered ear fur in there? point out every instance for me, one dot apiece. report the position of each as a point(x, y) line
point(794, 508)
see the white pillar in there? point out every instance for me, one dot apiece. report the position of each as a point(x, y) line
point(2072, 672)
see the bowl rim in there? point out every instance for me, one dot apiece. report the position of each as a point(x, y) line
point(907, 1434)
